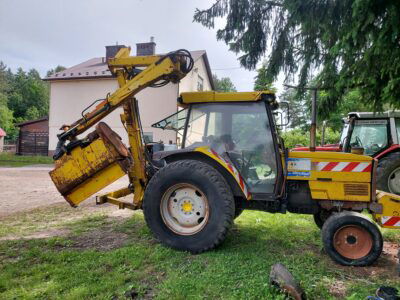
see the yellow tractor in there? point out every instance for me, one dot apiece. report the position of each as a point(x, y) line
point(231, 159)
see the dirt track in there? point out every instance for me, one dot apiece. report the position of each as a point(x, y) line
point(26, 188)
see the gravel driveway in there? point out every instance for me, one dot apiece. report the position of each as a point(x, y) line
point(30, 187)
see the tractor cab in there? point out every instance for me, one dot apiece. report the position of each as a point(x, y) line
point(372, 132)
point(241, 132)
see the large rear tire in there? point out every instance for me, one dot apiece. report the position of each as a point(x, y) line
point(388, 173)
point(189, 206)
point(351, 239)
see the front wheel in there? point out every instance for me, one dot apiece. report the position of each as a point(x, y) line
point(189, 206)
point(351, 239)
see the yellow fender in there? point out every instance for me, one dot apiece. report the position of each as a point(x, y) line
point(228, 166)
point(390, 216)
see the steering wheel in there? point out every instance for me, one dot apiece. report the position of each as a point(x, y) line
point(357, 142)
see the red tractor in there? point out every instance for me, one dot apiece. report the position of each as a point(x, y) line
point(376, 135)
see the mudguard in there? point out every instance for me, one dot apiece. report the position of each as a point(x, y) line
point(218, 158)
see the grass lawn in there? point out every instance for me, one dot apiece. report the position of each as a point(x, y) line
point(12, 160)
point(101, 256)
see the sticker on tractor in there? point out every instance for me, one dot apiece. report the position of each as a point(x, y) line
point(299, 174)
point(390, 221)
point(295, 165)
point(326, 166)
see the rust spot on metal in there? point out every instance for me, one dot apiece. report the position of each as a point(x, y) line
point(111, 139)
point(87, 161)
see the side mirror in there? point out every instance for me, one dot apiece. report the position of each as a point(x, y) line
point(284, 114)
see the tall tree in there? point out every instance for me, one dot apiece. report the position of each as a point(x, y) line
point(6, 117)
point(262, 81)
point(6, 77)
point(300, 108)
point(55, 70)
point(352, 43)
point(28, 90)
point(223, 84)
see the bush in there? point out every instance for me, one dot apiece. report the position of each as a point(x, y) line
point(296, 137)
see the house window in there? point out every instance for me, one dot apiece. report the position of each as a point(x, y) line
point(148, 137)
point(200, 83)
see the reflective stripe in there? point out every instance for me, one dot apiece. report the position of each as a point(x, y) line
point(340, 167)
point(326, 166)
point(390, 221)
point(235, 172)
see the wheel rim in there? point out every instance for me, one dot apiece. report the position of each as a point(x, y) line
point(184, 209)
point(352, 242)
point(394, 181)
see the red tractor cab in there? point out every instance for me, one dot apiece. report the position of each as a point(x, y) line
point(376, 135)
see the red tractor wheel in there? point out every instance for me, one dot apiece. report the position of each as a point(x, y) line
point(351, 239)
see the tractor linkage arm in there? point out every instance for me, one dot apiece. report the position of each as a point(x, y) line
point(158, 71)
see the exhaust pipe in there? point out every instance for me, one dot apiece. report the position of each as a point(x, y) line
point(313, 129)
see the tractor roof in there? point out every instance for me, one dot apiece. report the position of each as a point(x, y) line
point(213, 97)
point(376, 115)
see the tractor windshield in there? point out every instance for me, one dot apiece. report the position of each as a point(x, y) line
point(372, 135)
point(240, 132)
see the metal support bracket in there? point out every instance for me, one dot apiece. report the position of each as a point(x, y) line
point(112, 198)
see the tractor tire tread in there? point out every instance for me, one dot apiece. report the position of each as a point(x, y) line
point(214, 177)
point(338, 220)
point(386, 165)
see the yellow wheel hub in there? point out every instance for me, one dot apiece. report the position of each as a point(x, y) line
point(187, 207)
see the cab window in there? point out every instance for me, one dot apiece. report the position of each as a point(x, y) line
point(372, 135)
point(241, 133)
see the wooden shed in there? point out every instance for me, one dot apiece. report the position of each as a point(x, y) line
point(33, 137)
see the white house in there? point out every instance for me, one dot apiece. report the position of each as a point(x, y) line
point(75, 88)
point(2, 136)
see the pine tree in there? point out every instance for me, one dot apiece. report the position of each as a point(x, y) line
point(349, 43)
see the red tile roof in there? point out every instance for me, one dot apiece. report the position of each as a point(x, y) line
point(97, 68)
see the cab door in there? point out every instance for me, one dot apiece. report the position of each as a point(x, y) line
point(244, 133)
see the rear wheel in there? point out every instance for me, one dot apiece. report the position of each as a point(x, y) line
point(189, 206)
point(388, 173)
point(351, 239)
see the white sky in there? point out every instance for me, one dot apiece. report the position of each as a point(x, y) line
point(42, 34)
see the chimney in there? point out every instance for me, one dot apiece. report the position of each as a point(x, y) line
point(146, 48)
point(111, 51)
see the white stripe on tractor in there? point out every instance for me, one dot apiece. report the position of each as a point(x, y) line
point(360, 167)
point(321, 165)
point(340, 166)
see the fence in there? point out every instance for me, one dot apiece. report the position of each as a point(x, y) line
point(33, 143)
point(10, 146)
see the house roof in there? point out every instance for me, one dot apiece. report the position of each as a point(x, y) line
point(97, 68)
point(32, 121)
point(2, 132)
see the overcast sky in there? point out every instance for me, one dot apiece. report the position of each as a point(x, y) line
point(42, 34)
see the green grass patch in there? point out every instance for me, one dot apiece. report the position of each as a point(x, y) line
point(106, 257)
point(12, 160)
